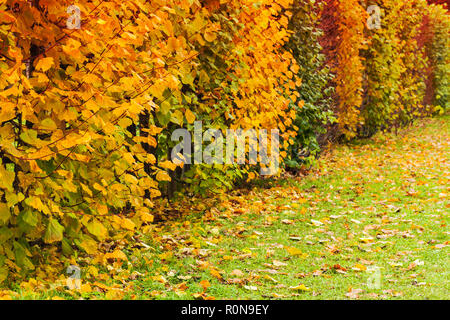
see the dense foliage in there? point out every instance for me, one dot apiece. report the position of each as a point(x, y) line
point(313, 106)
point(439, 55)
point(394, 67)
point(87, 113)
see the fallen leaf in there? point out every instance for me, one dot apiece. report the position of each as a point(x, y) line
point(205, 284)
point(300, 287)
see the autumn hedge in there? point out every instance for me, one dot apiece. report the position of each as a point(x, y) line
point(86, 114)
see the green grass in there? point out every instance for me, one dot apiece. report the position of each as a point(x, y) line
point(380, 204)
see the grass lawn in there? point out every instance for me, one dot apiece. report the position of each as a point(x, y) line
point(370, 222)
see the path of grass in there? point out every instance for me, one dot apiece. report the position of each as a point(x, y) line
point(381, 203)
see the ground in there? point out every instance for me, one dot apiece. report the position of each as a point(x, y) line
point(369, 222)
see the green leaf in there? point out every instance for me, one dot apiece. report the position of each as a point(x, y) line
point(21, 254)
point(5, 234)
point(3, 274)
point(66, 247)
point(5, 213)
point(97, 229)
point(165, 107)
point(29, 136)
point(163, 119)
point(30, 218)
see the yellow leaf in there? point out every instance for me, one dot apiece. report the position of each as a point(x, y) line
point(86, 288)
point(42, 78)
point(366, 240)
point(267, 277)
point(97, 229)
point(160, 278)
point(293, 251)
point(215, 273)
point(117, 254)
point(89, 245)
point(190, 116)
point(146, 217)
point(127, 224)
point(114, 294)
point(173, 43)
point(168, 165)
point(45, 64)
point(93, 271)
point(301, 287)
point(48, 124)
point(210, 36)
point(163, 176)
point(360, 267)
point(166, 255)
point(5, 213)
